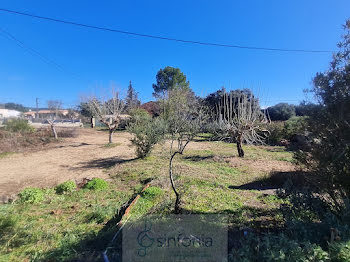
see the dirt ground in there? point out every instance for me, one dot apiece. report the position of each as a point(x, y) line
point(72, 159)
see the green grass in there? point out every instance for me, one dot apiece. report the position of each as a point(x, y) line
point(76, 225)
point(5, 154)
point(111, 145)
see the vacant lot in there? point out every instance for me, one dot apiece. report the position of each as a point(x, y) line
point(73, 159)
point(79, 225)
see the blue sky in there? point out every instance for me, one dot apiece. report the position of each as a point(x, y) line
point(93, 60)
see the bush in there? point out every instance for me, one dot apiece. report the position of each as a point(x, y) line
point(277, 248)
point(340, 252)
point(31, 195)
point(66, 187)
point(139, 115)
point(67, 132)
point(329, 128)
point(147, 133)
point(19, 125)
point(277, 132)
point(97, 184)
point(295, 125)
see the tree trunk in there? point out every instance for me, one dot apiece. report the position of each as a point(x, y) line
point(177, 201)
point(54, 131)
point(110, 136)
point(239, 148)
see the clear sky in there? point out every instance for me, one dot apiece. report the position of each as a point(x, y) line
point(92, 59)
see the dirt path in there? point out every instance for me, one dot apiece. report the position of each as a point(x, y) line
point(73, 159)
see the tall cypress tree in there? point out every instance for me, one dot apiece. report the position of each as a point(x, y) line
point(131, 99)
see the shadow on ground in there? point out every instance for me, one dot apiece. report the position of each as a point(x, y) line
point(276, 180)
point(104, 162)
point(197, 158)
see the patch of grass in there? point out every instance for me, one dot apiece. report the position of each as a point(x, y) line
point(5, 154)
point(58, 228)
point(111, 145)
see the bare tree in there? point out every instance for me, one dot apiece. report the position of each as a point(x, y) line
point(240, 119)
point(183, 117)
point(107, 111)
point(54, 105)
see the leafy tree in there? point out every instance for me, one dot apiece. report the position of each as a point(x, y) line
point(84, 109)
point(152, 107)
point(281, 111)
point(329, 127)
point(213, 99)
point(305, 108)
point(168, 79)
point(131, 100)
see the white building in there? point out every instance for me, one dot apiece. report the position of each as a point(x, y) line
point(9, 113)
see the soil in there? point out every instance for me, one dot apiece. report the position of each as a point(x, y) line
point(85, 156)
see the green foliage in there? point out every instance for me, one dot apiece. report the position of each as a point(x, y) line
point(84, 109)
point(66, 187)
point(168, 79)
point(97, 184)
point(19, 125)
point(329, 128)
point(340, 252)
point(306, 109)
point(152, 192)
point(15, 106)
point(295, 125)
point(147, 132)
point(139, 115)
point(31, 195)
point(277, 132)
point(277, 248)
point(281, 112)
point(131, 100)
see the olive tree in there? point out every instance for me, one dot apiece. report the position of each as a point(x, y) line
point(239, 118)
point(107, 111)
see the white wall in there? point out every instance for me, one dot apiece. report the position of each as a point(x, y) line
point(6, 113)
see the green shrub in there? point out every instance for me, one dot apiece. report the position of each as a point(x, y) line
point(66, 187)
point(152, 192)
point(96, 184)
point(277, 132)
point(340, 252)
point(277, 248)
point(147, 133)
point(31, 195)
point(139, 115)
point(295, 125)
point(19, 125)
